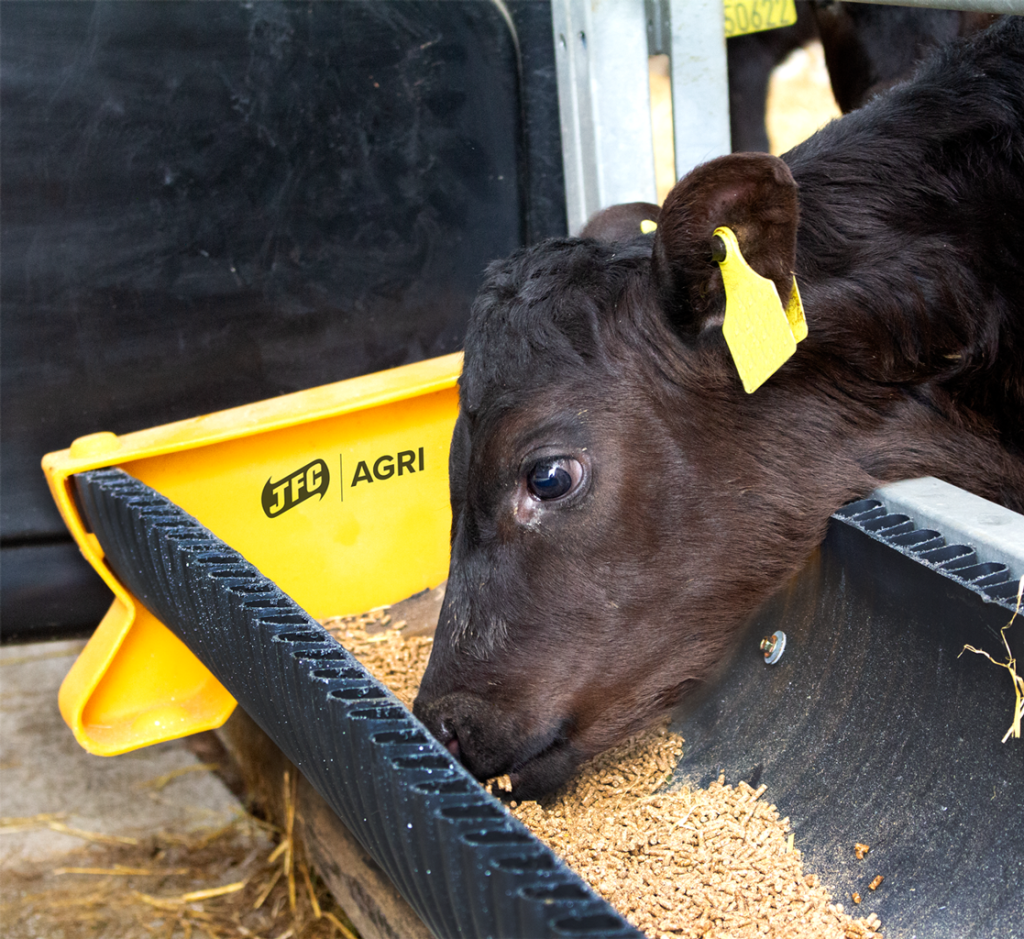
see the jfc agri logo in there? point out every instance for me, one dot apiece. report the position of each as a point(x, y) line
point(314, 478)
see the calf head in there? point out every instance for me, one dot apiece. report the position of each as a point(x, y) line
point(597, 421)
point(619, 505)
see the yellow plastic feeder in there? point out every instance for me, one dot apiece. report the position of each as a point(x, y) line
point(339, 494)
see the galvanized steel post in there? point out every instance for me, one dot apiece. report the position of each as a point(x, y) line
point(700, 80)
point(601, 49)
point(604, 100)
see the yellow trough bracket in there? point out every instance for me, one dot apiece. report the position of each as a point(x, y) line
point(338, 494)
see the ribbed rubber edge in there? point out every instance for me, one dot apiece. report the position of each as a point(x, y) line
point(461, 860)
point(993, 581)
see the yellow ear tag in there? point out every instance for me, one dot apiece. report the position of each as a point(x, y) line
point(761, 335)
point(647, 226)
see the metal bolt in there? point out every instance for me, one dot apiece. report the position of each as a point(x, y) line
point(773, 646)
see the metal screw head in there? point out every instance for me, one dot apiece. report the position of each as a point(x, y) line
point(773, 646)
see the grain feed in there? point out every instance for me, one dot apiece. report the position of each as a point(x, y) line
point(394, 659)
point(713, 863)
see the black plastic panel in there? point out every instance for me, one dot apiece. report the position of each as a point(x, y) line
point(49, 591)
point(206, 205)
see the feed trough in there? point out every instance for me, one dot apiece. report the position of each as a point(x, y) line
point(871, 726)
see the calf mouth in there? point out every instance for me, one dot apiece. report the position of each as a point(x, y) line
point(490, 743)
point(547, 768)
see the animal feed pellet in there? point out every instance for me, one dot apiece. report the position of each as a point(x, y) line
point(715, 863)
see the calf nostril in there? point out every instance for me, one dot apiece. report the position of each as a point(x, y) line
point(448, 737)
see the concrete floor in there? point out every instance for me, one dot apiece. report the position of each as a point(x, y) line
point(43, 771)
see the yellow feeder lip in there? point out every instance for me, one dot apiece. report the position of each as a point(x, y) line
point(338, 494)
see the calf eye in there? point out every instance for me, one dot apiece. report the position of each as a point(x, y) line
point(553, 478)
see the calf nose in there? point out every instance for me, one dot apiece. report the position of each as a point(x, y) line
point(439, 721)
point(444, 731)
point(458, 721)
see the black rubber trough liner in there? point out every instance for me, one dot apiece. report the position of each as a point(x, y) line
point(872, 727)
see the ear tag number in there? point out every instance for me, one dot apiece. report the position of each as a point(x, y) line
point(752, 16)
point(760, 335)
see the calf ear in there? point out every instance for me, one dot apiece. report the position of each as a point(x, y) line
point(621, 222)
point(754, 194)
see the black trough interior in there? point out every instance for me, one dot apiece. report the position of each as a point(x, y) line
point(871, 728)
